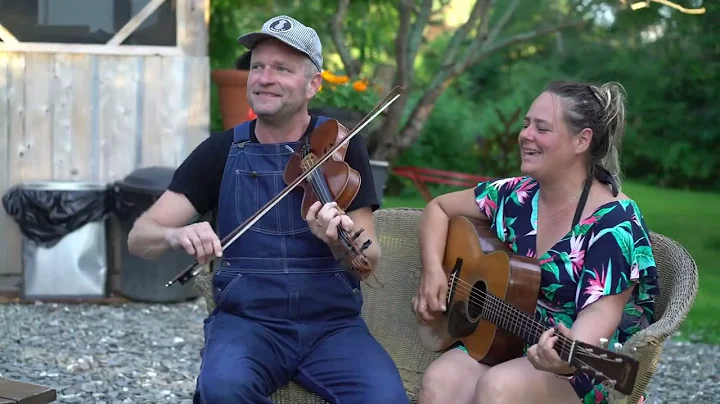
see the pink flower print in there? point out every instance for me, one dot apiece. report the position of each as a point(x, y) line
point(511, 182)
point(596, 287)
point(530, 253)
point(546, 260)
point(487, 206)
point(634, 271)
point(635, 219)
point(522, 192)
point(591, 220)
point(577, 254)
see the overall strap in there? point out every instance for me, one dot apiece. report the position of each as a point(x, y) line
point(241, 132)
point(321, 119)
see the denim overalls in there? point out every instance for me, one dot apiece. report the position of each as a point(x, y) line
point(286, 309)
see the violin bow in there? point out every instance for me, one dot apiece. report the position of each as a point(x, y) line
point(194, 269)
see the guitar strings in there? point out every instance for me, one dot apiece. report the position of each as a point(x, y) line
point(561, 338)
point(495, 302)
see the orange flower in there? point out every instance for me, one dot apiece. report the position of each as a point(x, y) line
point(326, 75)
point(360, 86)
point(333, 79)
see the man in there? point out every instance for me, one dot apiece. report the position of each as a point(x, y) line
point(287, 308)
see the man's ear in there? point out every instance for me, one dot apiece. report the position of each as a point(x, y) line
point(583, 140)
point(314, 84)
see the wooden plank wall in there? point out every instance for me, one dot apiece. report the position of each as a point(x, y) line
point(67, 116)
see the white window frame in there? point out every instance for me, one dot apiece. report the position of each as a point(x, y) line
point(113, 47)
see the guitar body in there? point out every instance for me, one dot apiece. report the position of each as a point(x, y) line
point(481, 263)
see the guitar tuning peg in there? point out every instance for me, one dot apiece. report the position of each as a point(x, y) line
point(618, 347)
point(603, 343)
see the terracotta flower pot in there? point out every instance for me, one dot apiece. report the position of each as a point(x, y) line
point(232, 91)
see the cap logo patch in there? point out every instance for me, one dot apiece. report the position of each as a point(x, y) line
point(280, 25)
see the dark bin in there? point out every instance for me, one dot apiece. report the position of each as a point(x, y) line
point(144, 279)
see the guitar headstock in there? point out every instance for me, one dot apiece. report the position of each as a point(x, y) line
point(614, 369)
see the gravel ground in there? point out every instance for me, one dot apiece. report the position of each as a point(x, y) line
point(137, 353)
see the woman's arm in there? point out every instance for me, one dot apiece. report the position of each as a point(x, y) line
point(434, 224)
point(432, 291)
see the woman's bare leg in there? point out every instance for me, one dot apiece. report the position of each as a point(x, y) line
point(451, 378)
point(517, 381)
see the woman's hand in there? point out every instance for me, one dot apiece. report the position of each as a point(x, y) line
point(542, 355)
point(323, 221)
point(431, 295)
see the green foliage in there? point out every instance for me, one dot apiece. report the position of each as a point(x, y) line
point(341, 92)
point(671, 135)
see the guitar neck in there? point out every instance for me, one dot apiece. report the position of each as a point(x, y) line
point(516, 322)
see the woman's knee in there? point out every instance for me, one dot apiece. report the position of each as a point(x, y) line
point(496, 386)
point(452, 375)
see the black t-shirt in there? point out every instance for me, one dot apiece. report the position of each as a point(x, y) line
point(200, 175)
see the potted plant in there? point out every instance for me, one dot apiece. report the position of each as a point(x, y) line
point(232, 92)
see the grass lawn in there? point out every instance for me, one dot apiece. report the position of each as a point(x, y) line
point(688, 218)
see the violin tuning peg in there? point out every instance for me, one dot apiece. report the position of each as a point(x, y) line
point(357, 234)
point(365, 245)
point(603, 343)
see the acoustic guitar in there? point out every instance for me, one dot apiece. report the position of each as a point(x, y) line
point(491, 303)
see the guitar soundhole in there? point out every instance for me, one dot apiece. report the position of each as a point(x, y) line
point(476, 302)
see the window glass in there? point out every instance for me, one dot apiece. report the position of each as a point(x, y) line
point(86, 21)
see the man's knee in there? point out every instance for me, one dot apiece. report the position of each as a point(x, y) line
point(384, 386)
point(239, 384)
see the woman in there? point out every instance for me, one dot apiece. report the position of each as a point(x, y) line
point(598, 273)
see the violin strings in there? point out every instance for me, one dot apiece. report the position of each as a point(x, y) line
point(323, 193)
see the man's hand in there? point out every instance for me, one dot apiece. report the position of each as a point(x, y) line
point(197, 239)
point(323, 222)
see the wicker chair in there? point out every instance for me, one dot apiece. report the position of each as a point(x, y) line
point(388, 314)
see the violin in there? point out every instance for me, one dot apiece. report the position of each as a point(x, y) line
point(317, 157)
point(334, 181)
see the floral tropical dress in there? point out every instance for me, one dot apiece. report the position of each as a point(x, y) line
point(602, 255)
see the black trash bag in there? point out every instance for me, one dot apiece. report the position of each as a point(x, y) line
point(139, 190)
point(45, 216)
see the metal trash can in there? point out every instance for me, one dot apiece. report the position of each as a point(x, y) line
point(380, 172)
point(63, 226)
point(144, 279)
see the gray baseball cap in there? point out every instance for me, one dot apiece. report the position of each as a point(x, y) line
point(291, 32)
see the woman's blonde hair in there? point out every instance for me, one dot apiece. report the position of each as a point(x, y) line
point(602, 109)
